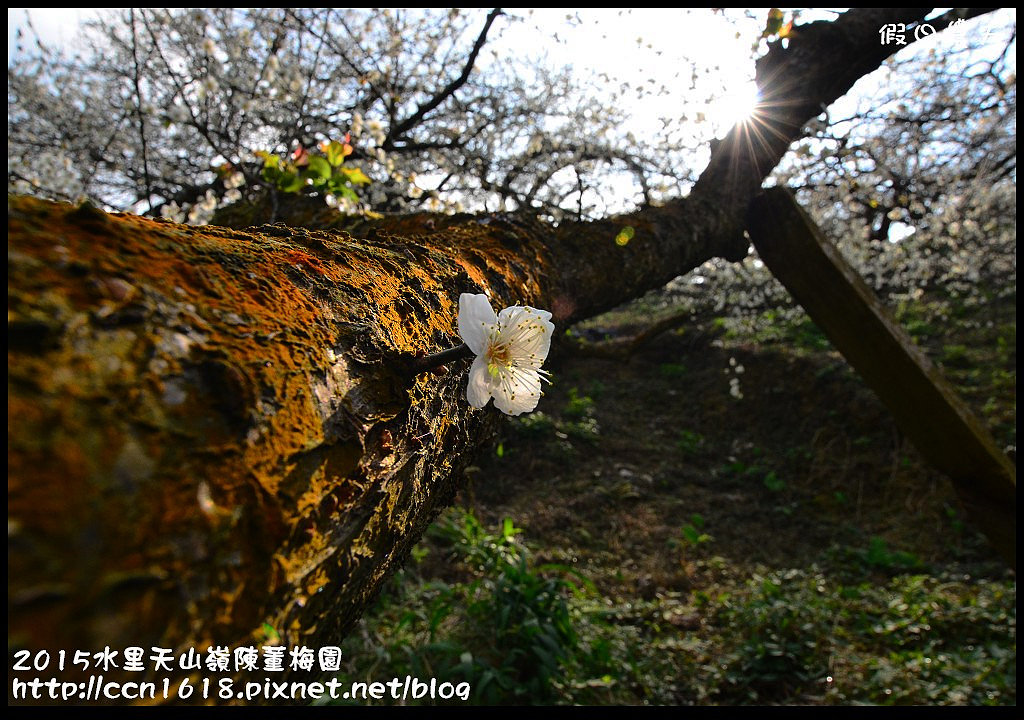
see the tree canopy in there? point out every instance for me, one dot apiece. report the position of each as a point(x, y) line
point(165, 106)
point(158, 99)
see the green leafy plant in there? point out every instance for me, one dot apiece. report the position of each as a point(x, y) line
point(783, 647)
point(773, 482)
point(956, 355)
point(879, 555)
point(690, 442)
point(792, 635)
point(323, 170)
point(509, 631)
point(578, 406)
point(693, 532)
point(581, 422)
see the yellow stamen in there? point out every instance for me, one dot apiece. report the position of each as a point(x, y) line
point(498, 356)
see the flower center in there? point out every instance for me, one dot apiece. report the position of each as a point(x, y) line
point(498, 356)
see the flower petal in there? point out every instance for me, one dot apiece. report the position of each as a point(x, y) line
point(519, 391)
point(476, 320)
point(528, 334)
point(478, 391)
point(509, 314)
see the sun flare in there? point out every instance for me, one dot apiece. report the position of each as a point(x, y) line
point(737, 106)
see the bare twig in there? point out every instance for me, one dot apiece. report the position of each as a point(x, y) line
point(138, 109)
point(623, 348)
point(449, 89)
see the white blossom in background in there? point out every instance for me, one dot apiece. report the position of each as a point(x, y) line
point(178, 113)
point(734, 388)
point(734, 382)
point(376, 131)
point(235, 180)
point(510, 349)
point(202, 212)
point(172, 211)
point(341, 204)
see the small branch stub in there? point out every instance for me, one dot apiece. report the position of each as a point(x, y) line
point(428, 363)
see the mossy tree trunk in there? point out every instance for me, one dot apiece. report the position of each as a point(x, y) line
point(211, 430)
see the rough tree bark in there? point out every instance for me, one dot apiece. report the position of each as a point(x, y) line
point(211, 430)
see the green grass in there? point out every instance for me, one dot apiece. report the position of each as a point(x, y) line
point(523, 632)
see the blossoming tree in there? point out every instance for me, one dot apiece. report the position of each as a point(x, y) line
point(219, 435)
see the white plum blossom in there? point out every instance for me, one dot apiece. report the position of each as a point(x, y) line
point(202, 212)
point(172, 211)
point(376, 130)
point(234, 180)
point(209, 201)
point(510, 349)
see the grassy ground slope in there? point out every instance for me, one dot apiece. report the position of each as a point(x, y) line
point(729, 516)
